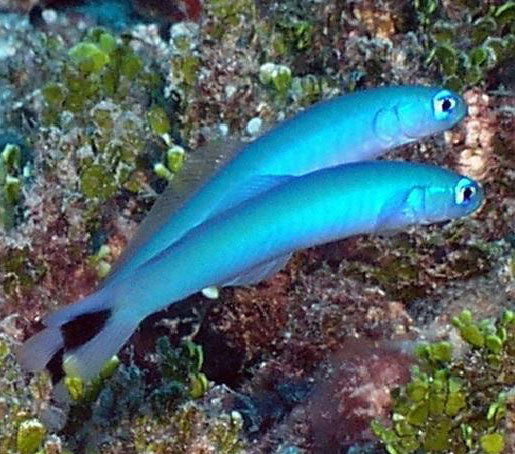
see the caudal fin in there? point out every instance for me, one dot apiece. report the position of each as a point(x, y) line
point(86, 359)
point(79, 338)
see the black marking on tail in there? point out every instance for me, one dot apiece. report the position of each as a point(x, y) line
point(75, 333)
point(83, 328)
point(55, 367)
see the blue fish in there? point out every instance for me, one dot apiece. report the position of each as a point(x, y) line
point(354, 127)
point(248, 243)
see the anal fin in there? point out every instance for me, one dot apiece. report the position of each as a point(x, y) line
point(259, 273)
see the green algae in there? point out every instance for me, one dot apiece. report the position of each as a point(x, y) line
point(464, 52)
point(30, 436)
point(96, 182)
point(83, 393)
point(456, 405)
point(12, 179)
point(277, 76)
point(21, 431)
point(105, 87)
point(174, 161)
point(181, 368)
point(187, 429)
point(295, 34)
point(229, 14)
point(162, 171)
point(175, 158)
point(90, 57)
point(185, 69)
point(492, 443)
point(22, 272)
point(158, 120)
point(101, 261)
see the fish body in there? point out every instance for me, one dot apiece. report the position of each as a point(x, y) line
point(251, 241)
point(354, 127)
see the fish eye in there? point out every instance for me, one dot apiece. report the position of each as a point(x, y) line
point(464, 192)
point(443, 104)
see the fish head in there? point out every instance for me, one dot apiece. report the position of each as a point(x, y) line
point(435, 195)
point(427, 111)
point(460, 197)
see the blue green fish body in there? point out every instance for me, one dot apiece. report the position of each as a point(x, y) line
point(249, 242)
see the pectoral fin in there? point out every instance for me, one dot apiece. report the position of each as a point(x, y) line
point(402, 211)
point(248, 189)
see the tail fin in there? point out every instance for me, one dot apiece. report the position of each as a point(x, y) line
point(79, 338)
point(37, 352)
point(87, 359)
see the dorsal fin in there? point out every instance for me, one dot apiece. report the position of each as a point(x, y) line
point(200, 165)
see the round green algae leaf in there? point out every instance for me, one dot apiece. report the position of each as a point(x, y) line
point(479, 56)
point(75, 387)
point(505, 14)
point(453, 83)
point(96, 182)
point(199, 385)
point(443, 32)
point(417, 390)
point(494, 343)
point(188, 67)
point(131, 65)
point(175, 158)
point(158, 120)
point(30, 436)
point(455, 403)
point(442, 351)
point(437, 436)
point(426, 7)
point(418, 414)
point(436, 403)
point(104, 119)
point(508, 316)
point(482, 29)
point(89, 57)
point(107, 42)
point(473, 335)
point(446, 56)
point(282, 78)
point(109, 368)
point(162, 171)
point(53, 94)
point(110, 81)
point(12, 189)
point(492, 443)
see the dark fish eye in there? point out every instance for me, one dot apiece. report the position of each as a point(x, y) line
point(443, 104)
point(464, 191)
point(446, 105)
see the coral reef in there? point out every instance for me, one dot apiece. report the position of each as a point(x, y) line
point(86, 145)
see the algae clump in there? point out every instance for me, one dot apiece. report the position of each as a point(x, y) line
point(456, 405)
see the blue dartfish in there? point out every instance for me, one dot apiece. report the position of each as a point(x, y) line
point(249, 242)
point(354, 127)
